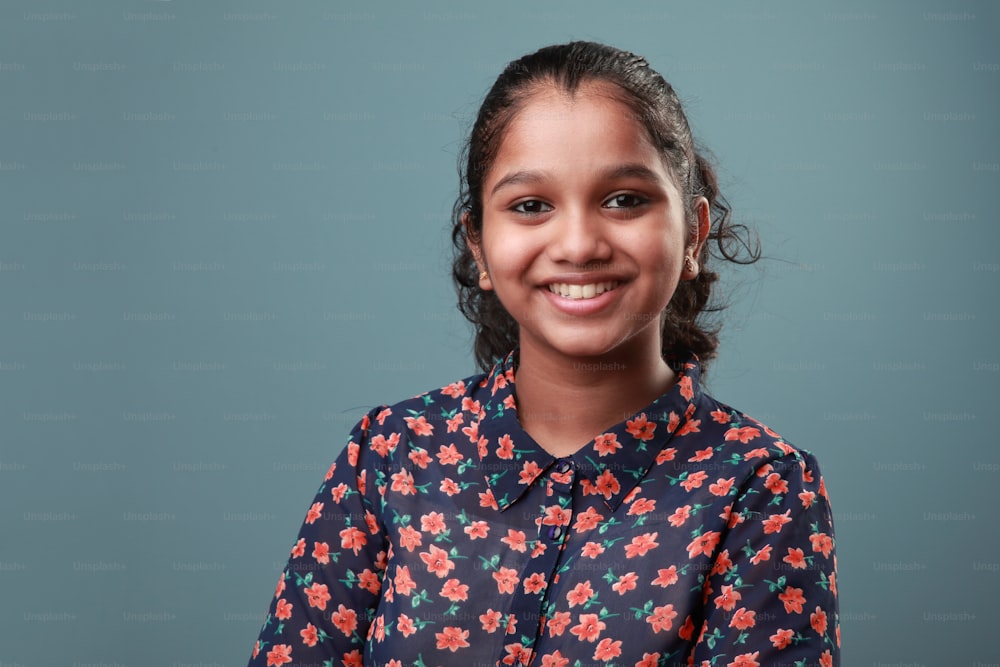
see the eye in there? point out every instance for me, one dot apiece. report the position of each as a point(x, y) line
point(626, 200)
point(531, 207)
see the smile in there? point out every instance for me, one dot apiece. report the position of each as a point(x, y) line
point(588, 291)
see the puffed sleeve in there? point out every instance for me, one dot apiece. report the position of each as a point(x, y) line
point(326, 596)
point(771, 595)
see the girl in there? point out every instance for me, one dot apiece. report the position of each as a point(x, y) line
point(583, 501)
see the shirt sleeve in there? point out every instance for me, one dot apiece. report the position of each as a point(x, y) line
point(326, 596)
point(771, 595)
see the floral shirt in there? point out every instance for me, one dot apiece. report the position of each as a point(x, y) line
point(688, 534)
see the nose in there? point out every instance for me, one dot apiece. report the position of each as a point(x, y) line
point(579, 237)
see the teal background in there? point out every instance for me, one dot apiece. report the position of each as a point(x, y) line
point(224, 235)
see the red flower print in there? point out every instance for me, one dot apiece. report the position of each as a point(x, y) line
point(775, 484)
point(486, 499)
point(402, 482)
point(409, 537)
point(662, 618)
point(703, 544)
point(687, 630)
point(822, 543)
point(437, 561)
point(587, 520)
point(817, 620)
point(727, 598)
point(380, 418)
point(580, 593)
point(280, 588)
point(455, 389)
point(362, 481)
point(404, 582)
point(793, 599)
point(694, 480)
point(538, 549)
point(283, 610)
point(760, 452)
point(420, 458)
point(449, 487)
point(640, 428)
point(702, 455)
point(680, 515)
point(371, 522)
point(666, 455)
point(452, 638)
point(641, 506)
point(558, 623)
point(352, 538)
point(370, 581)
point(649, 660)
point(299, 549)
point(477, 529)
point(455, 590)
point(592, 550)
point(516, 654)
point(641, 544)
point(722, 563)
point(469, 405)
point(606, 443)
point(382, 445)
point(763, 555)
point(338, 492)
point(448, 455)
point(534, 583)
point(589, 628)
point(690, 426)
point(506, 579)
point(315, 512)
point(743, 619)
point(377, 630)
point(405, 625)
point(352, 659)
point(687, 389)
point(826, 660)
point(607, 484)
point(432, 522)
point(309, 635)
point(554, 660)
point(279, 655)
point(720, 416)
point(626, 583)
point(807, 498)
point(781, 639)
point(556, 516)
point(329, 473)
point(490, 620)
point(515, 540)
point(419, 425)
point(796, 558)
point(607, 649)
point(321, 552)
point(345, 619)
point(529, 472)
point(318, 596)
point(666, 577)
point(506, 448)
point(745, 660)
point(742, 433)
point(353, 449)
point(774, 523)
point(722, 486)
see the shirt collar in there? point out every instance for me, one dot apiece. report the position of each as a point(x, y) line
point(611, 465)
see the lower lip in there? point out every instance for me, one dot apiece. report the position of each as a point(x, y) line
point(580, 307)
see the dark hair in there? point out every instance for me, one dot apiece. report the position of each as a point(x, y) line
point(654, 104)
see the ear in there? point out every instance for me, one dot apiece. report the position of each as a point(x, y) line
point(703, 224)
point(475, 245)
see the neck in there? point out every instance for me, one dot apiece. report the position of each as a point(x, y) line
point(564, 402)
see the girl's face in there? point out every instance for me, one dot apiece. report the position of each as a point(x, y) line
point(584, 236)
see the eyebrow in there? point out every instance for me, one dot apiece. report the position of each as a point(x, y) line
point(629, 170)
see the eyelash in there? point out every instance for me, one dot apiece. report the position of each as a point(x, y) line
point(638, 201)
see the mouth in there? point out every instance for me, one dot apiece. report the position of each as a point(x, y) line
point(586, 291)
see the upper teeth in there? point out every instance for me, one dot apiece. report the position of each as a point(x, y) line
point(589, 291)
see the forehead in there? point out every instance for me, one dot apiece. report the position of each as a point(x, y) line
point(589, 128)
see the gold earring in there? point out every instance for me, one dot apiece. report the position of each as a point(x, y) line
point(688, 264)
point(482, 275)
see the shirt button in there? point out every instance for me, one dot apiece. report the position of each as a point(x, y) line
point(555, 532)
point(563, 466)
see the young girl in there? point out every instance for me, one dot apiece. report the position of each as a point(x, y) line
point(583, 501)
